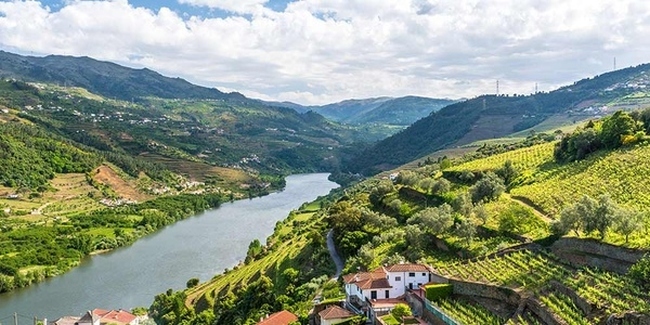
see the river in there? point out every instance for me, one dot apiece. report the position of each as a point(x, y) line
point(201, 246)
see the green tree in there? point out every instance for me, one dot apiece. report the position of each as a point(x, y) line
point(627, 223)
point(436, 220)
point(615, 128)
point(508, 172)
point(427, 184)
point(602, 218)
point(407, 177)
point(400, 311)
point(480, 213)
point(395, 205)
point(489, 188)
point(441, 186)
point(191, 283)
point(466, 229)
point(462, 204)
point(380, 190)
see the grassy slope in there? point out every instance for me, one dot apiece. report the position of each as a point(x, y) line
point(549, 187)
point(287, 249)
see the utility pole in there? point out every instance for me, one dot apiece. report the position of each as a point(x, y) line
point(497, 87)
point(536, 88)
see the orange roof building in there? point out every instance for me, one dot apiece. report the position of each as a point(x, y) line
point(390, 282)
point(334, 314)
point(280, 318)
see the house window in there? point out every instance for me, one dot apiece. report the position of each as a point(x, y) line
point(387, 294)
point(398, 278)
point(373, 294)
point(424, 274)
point(412, 274)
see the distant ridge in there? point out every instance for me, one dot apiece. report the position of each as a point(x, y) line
point(382, 110)
point(104, 78)
point(491, 116)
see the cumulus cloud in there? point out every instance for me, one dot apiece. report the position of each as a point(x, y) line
point(318, 51)
point(237, 6)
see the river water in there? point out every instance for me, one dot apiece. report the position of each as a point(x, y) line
point(201, 246)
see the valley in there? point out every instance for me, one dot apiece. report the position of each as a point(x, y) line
point(522, 209)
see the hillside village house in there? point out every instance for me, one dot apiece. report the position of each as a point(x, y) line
point(378, 291)
point(334, 315)
point(100, 317)
point(280, 318)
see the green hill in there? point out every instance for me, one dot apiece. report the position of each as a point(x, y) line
point(490, 116)
point(104, 78)
point(485, 222)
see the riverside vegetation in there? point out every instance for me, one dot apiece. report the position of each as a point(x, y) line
point(454, 214)
point(82, 173)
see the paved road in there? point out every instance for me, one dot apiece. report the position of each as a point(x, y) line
point(334, 254)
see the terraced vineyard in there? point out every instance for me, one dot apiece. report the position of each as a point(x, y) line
point(468, 314)
point(604, 173)
point(610, 292)
point(523, 320)
point(245, 274)
point(562, 306)
point(522, 268)
point(523, 159)
point(204, 295)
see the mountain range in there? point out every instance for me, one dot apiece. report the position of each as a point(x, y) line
point(401, 111)
point(492, 116)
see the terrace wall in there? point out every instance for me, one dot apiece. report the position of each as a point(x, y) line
point(580, 252)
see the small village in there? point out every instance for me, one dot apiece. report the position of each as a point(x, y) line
point(98, 317)
point(374, 295)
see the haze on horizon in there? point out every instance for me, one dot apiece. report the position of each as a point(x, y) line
point(322, 51)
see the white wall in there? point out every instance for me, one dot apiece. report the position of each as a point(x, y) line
point(399, 286)
point(331, 321)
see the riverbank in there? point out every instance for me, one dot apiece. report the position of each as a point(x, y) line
point(200, 246)
point(294, 264)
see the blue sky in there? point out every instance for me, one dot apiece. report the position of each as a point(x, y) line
point(322, 51)
point(180, 8)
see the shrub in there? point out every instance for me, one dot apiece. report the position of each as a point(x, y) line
point(640, 272)
point(436, 292)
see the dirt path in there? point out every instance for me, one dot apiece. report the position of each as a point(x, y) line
point(334, 254)
point(535, 211)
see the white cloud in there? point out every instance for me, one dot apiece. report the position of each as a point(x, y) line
point(237, 6)
point(318, 51)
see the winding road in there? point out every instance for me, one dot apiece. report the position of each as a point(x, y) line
point(334, 254)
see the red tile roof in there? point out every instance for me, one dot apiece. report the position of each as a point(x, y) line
point(335, 312)
point(100, 312)
point(280, 318)
point(408, 268)
point(368, 280)
point(114, 316)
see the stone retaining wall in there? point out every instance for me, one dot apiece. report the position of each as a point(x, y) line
point(536, 307)
point(475, 289)
point(580, 252)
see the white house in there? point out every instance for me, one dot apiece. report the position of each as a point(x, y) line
point(334, 315)
point(376, 293)
point(386, 282)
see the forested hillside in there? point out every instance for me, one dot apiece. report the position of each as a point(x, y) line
point(491, 116)
point(383, 110)
point(485, 218)
point(104, 78)
point(83, 172)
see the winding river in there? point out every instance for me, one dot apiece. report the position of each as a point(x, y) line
point(200, 246)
